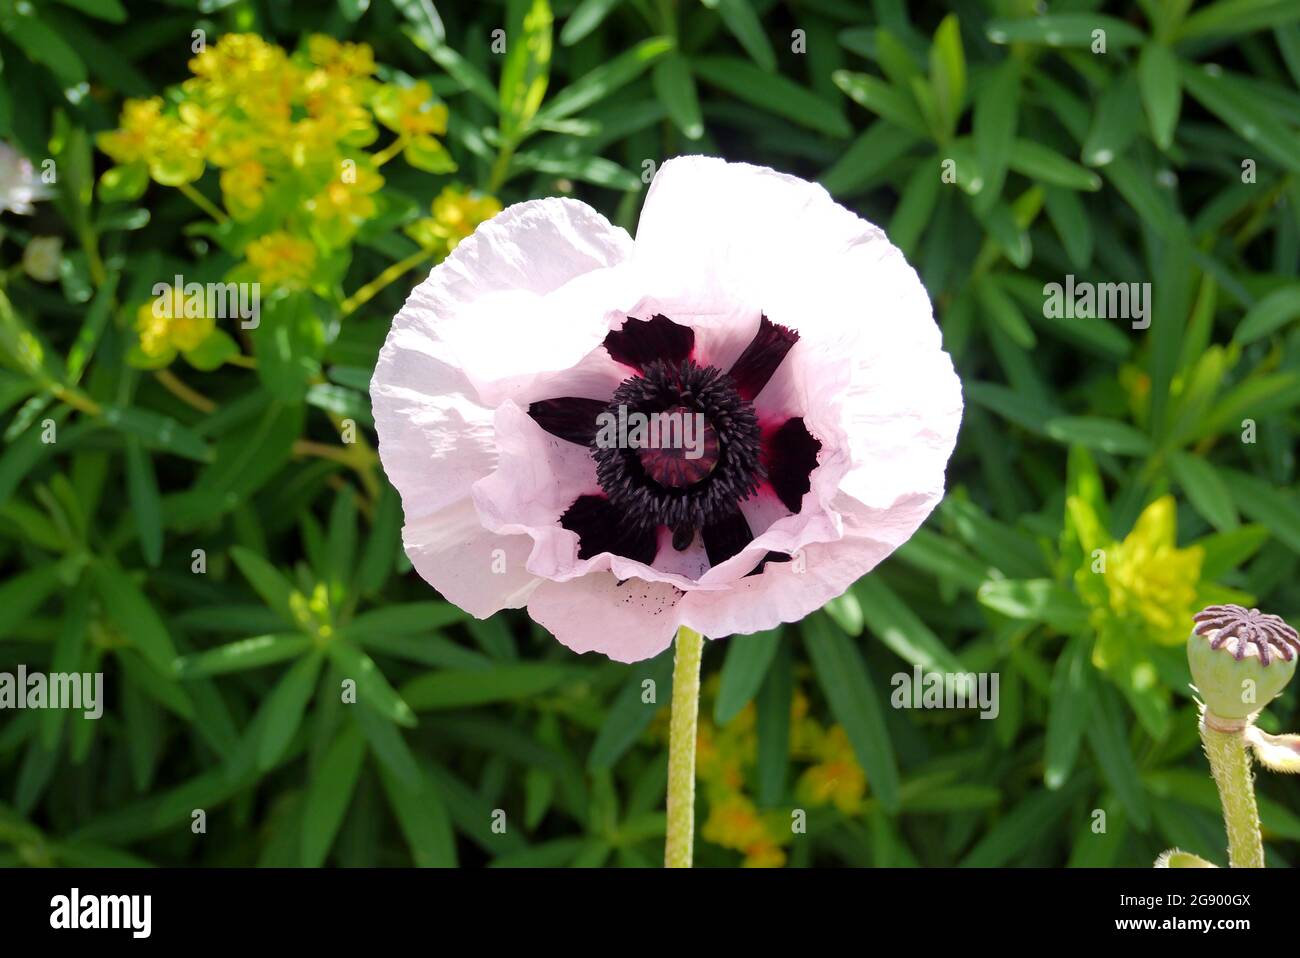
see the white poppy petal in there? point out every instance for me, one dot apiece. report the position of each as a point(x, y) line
point(627, 620)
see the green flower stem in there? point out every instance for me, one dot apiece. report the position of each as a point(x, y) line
point(681, 749)
point(202, 202)
point(382, 281)
point(1230, 763)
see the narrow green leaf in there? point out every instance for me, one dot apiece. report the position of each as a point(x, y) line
point(134, 615)
point(1161, 90)
point(1107, 435)
point(743, 671)
point(373, 689)
point(329, 794)
point(282, 714)
point(1206, 491)
point(1066, 30)
point(146, 508)
point(1067, 711)
point(773, 93)
point(1269, 315)
point(242, 654)
point(675, 88)
point(842, 675)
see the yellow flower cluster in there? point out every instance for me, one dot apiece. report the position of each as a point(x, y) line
point(163, 325)
point(726, 759)
point(1148, 576)
point(456, 214)
point(178, 322)
point(288, 134)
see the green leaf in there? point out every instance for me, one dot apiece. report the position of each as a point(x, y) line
point(773, 727)
point(1107, 435)
point(44, 45)
point(423, 818)
point(528, 62)
point(1114, 122)
point(586, 17)
point(1003, 310)
point(1266, 504)
point(1067, 711)
point(242, 655)
point(266, 580)
point(157, 431)
point(213, 352)
point(282, 714)
point(743, 671)
point(866, 158)
point(142, 492)
point(675, 88)
point(773, 93)
point(1036, 600)
point(630, 714)
point(883, 100)
point(405, 618)
point(373, 689)
point(109, 10)
point(460, 689)
point(26, 592)
point(948, 72)
point(742, 21)
point(1268, 315)
point(1109, 744)
point(1065, 30)
point(330, 793)
point(843, 676)
point(1071, 222)
point(891, 620)
point(604, 80)
point(424, 20)
point(997, 107)
point(1161, 90)
point(1250, 116)
point(1022, 826)
point(133, 614)
point(914, 208)
point(1230, 17)
point(1045, 165)
point(1205, 490)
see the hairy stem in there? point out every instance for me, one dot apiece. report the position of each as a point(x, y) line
point(1230, 762)
point(681, 749)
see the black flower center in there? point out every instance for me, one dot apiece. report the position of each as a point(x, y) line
point(679, 445)
point(664, 473)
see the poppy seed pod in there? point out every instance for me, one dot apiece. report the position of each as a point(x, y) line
point(1241, 659)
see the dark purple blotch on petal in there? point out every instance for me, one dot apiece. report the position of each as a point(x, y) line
point(761, 357)
point(568, 418)
point(726, 537)
point(602, 528)
point(791, 456)
point(642, 341)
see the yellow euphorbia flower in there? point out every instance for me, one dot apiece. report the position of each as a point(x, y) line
point(170, 323)
point(411, 110)
point(1148, 576)
point(282, 259)
point(837, 779)
point(456, 214)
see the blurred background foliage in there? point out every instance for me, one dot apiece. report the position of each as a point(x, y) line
point(333, 151)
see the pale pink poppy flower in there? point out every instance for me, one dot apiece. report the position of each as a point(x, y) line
point(802, 335)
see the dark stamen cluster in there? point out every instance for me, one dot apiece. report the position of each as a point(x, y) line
point(1248, 626)
point(664, 386)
